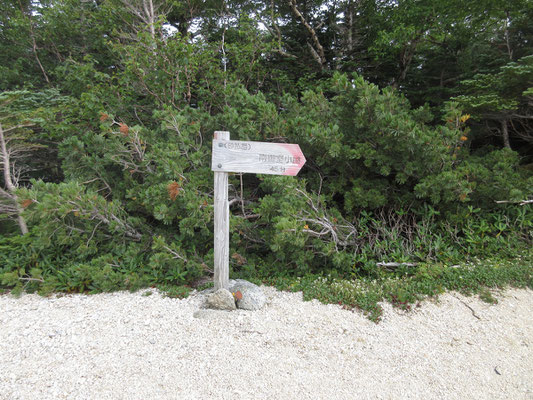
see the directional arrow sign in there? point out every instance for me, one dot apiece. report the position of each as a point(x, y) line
point(257, 157)
point(237, 156)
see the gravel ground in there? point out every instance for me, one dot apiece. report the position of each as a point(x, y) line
point(129, 346)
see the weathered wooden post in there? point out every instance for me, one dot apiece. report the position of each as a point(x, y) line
point(221, 221)
point(239, 156)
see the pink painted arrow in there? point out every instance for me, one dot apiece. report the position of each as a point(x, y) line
point(257, 157)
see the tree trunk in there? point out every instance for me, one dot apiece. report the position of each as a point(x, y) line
point(505, 134)
point(146, 11)
point(350, 29)
point(10, 186)
point(150, 16)
point(406, 59)
point(506, 34)
point(316, 48)
point(28, 14)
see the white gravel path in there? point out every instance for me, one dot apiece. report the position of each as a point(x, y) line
point(129, 346)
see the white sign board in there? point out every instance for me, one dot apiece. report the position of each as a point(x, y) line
point(256, 157)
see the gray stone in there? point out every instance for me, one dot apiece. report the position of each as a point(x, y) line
point(222, 299)
point(253, 297)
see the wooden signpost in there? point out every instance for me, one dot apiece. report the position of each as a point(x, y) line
point(251, 157)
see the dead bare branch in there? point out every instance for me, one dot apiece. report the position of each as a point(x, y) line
point(395, 264)
point(316, 49)
point(519, 202)
point(175, 254)
point(8, 182)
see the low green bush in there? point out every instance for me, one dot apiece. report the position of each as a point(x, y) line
point(131, 202)
point(407, 287)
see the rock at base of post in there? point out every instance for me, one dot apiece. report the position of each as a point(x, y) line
point(253, 297)
point(222, 299)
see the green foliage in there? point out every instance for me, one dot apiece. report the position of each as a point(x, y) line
point(117, 189)
point(503, 100)
point(501, 92)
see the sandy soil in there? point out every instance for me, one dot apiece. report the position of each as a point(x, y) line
point(129, 346)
